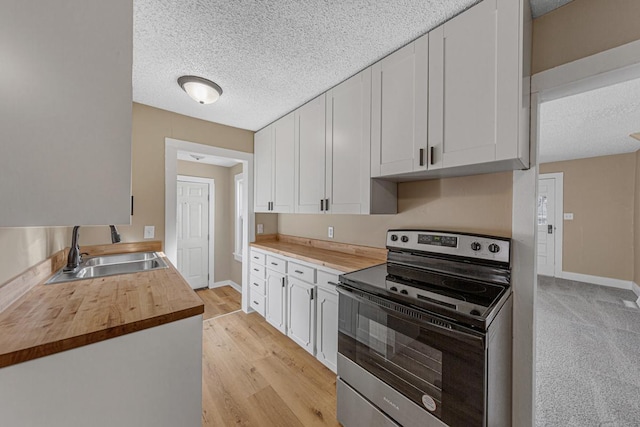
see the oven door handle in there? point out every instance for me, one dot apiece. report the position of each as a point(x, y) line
point(469, 339)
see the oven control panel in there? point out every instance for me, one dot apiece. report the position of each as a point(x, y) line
point(463, 245)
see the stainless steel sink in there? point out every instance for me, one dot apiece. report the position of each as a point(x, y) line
point(111, 265)
point(120, 258)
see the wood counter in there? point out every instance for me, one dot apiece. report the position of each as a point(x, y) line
point(58, 317)
point(339, 256)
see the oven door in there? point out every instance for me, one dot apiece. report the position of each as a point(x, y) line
point(437, 365)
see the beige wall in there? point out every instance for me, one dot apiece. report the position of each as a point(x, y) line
point(269, 221)
point(480, 204)
point(235, 267)
point(583, 28)
point(599, 191)
point(223, 221)
point(636, 222)
point(150, 128)
point(21, 248)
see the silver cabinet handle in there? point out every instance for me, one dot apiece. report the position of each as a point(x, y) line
point(274, 263)
point(283, 282)
point(432, 152)
point(255, 269)
point(299, 272)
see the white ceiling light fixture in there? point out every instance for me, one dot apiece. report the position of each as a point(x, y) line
point(201, 90)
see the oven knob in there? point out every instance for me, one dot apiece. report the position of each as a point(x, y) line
point(493, 248)
point(404, 292)
point(394, 237)
point(405, 239)
point(476, 246)
point(393, 288)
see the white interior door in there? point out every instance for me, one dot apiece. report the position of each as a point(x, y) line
point(546, 226)
point(193, 232)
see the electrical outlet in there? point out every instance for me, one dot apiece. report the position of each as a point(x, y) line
point(260, 228)
point(568, 216)
point(330, 232)
point(149, 231)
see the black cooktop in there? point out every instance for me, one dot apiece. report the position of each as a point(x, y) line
point(467, 301)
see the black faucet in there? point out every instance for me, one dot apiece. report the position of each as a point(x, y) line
point(115, 237)
point(74, 259)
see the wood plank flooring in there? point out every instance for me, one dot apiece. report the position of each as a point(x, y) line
point(219, 301)
point(253, 375)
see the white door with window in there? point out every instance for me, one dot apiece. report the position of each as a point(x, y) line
point(546, 226)
point(193, 232)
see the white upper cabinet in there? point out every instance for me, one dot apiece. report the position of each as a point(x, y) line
point(310, 156)
point(348, 110)
point(399, 111)
point(65, 112)
point(263, 169)
point(283, 164)
point(477, 111)
point(274, 164)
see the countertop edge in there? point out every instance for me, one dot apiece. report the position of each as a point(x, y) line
point(53, 347)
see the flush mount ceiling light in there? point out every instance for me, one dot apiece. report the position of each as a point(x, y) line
point(202, 90)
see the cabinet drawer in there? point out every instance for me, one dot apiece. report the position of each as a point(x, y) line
point(276, 264)
point(257, 285)
point(327, 280)
point(257, 302)
point(302, 272)
point(257, 270)
point(257, 257)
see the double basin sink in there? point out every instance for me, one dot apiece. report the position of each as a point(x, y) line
point(111, 265)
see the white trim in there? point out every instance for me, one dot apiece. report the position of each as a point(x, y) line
point(559, 219)
point(238, 179)
point(231, 283)
point(636, 289)
point(597, 280)
point(602, 69)
point(172, 146)
point(212, 219)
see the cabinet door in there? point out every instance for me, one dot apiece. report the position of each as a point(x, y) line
point(276, 300)
point(348, 157)
point(65, 113)
point(327, 328)
point(474, 86)
point(283, 164)
point(263, 169)
point(310, 156)
point(399, 111)
point(301, 314)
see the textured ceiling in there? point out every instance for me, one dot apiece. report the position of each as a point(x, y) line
point(270, 57)
point(540, 7)
point(590, 124)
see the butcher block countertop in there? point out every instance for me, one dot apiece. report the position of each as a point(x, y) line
point(339, 256)
point(53, 318)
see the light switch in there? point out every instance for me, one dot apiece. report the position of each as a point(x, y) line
point(149, 231)
point(260, 228)
point(568, 216)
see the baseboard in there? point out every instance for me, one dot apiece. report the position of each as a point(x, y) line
point(598, 280)
point(231, 283)
point(636, 289)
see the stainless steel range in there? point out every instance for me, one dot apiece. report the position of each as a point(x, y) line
point(425, 339)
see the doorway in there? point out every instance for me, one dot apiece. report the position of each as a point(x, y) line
point(194, 229)
point(235, 163)
point(586, 320)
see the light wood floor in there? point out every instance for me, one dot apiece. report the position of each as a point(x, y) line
point(219, 301)
point(253, 375)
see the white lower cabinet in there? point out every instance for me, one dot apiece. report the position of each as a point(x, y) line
point(276, 298)
point(327, 328)
point(300, 300)
point(302, 311)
